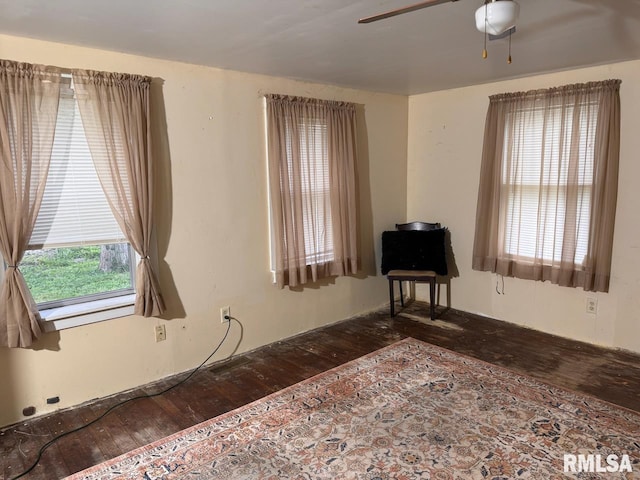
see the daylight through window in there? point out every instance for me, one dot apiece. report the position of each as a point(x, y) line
point(77, 251)
point(548, 185)
point(314, 174)
point(538, 180)
point(311, 165)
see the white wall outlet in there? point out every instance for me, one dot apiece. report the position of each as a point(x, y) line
point(161, 333)
point(225, 314)
point(592, 305)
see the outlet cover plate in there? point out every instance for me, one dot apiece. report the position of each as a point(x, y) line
point(161, 333)
point(592, 305)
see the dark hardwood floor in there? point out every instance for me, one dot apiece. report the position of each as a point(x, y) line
point(608, 374)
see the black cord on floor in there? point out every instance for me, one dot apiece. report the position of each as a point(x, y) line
point(124, 402)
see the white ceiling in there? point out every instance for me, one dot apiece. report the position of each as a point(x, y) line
point(319, 40)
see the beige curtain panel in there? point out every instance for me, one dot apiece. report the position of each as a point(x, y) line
point(115, 114)
point(312, 162)
point(29, 97)
point(548, 185)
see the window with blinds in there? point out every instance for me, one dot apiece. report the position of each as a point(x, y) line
point(74, 209)
point(312, 174)
point(542, 181)
point(77, 251)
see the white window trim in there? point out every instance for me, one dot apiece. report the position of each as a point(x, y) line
point(272, 247)
point(85, 313)
point(69, 316)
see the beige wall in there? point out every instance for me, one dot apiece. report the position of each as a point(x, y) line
point(212, 231)
point(445, 144)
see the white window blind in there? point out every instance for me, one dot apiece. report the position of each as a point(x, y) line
point(74, 209)
point(538, 175)
point(313, 175)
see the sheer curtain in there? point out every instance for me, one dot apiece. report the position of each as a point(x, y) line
point(312, 157)
point(115, 114)
point(29, 97)
point(548, 185)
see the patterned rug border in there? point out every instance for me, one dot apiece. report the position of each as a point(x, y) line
point(602, 406)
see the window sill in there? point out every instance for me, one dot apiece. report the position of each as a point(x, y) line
point(69, 316)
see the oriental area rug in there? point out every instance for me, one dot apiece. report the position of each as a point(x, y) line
point(408, 411)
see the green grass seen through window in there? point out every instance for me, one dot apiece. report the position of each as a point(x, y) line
point(64, 273)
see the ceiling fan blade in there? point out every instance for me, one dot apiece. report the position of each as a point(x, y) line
point(400, 11)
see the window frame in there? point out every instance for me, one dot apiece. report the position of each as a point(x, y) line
point(66, 302)
point(55, 318)
point(60, 318)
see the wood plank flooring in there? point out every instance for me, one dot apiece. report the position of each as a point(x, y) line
point(608, 374)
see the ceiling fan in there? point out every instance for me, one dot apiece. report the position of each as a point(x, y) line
point(400, 11)
point(495, 18)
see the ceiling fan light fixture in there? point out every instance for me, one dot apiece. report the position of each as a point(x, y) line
point(497, 16)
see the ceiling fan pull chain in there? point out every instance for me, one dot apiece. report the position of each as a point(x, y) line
point(484, 50)
point(509, 59)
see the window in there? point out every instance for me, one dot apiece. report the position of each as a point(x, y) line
point(39, 120)
point(536, 183)
point(77, 251)
point(314, 187)
point(311, 160)
point(548, 185)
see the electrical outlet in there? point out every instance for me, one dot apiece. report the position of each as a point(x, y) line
point(592, 305)
point(225, 314)
point(161, 333)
